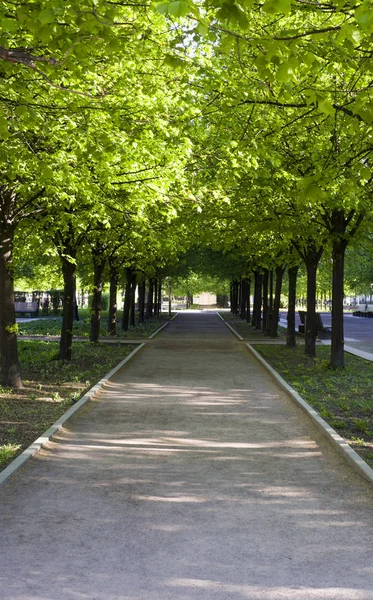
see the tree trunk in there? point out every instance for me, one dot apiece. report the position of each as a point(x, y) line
point(149, 307)
point(159, 302)
point(127, 300)
point(155, 296)
point(271, 289)
point(311, 255)
point(142, 300)
point(98, 269)
point(257, 309)
point(248, 308)
point(68, 272)
point(236, 297)
point(290, 335)
point(112, 321)
point(132, 300)
point(265, 299)
point(276, 306)
point(310, 322)
point(337, 346)
point(9, 365)
point(243, 303)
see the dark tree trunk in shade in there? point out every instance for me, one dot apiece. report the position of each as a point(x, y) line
point(236, 297)
point(270, 303)
point(9, 365)
point(150, 304)
point(290, 334)
point(311, 255)
point(114, 278)
point(155, 295)
point(68, 272)
point(338, 253)
point(132, 300)
point(248, 307)
point(142, 300)
point(257, 309)
point(265, 299)
point(159, 301)
point(96, 309)
point(276, 305)
point(310, 324)
point(127, 300)
point(243, 302)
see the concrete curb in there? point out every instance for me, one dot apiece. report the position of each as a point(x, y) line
point(230, 327)
point(162, 327)
point(355, 461)
point(47, 435)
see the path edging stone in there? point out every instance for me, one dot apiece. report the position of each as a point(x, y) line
point(230, 327)
point(355, 461)
point(47, 435)
point(162, 327)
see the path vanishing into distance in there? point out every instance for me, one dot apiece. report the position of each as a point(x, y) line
point(192, 476)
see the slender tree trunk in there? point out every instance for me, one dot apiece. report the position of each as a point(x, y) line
point(68, 272)
point(310, 324)
point(257, 309)
point(265, 299)
point(155, 296)
point(133, 298)
point(76, 310)
point(270, 304)
point(311, 255)
point(290, 335)
point(248, 308)
point(114, 278)
point(243, 303)
point(9, 365)
point(337, 346)
point(149, 308)
point(127, 300)
point(142, 300)
point(236, 297)
point(160, 297)
point(98, 270)
point(276, 307)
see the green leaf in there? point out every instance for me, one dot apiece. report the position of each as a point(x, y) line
point(273, 7)
point(326, 107)
point(178, 8)
point(364, 16)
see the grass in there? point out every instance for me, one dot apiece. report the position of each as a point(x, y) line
point(246, 330)
point(50, 387)
point(342, 397)
point(52, 326)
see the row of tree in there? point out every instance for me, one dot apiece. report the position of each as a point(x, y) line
point(131, 132)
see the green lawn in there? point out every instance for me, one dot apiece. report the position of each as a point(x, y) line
point(52, 326)
point(342, 397)
point(50, 387)
point(246, 330)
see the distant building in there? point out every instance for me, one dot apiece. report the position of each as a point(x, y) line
point(205, 299)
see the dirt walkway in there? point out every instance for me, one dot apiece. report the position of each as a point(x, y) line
point(191, 477)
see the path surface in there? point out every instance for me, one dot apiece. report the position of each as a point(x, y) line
point(191, 477)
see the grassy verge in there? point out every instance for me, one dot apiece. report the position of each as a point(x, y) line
point(50, 387)
point(247, 331)
point(52, 326)
point(343, 398)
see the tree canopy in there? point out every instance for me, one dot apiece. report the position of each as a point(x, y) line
point(142, 130)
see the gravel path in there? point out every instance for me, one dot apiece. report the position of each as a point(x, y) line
point(190, 477)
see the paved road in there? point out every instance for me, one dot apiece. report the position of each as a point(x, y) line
point(191, 477)
point(358, 330)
